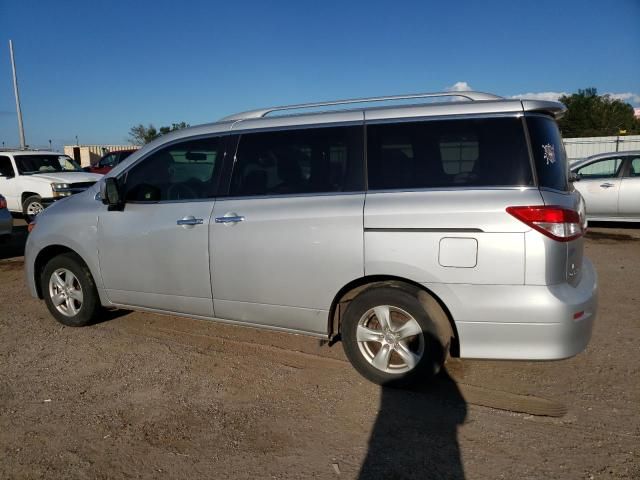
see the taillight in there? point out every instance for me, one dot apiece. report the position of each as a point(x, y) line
point(554, 221)
point(3, 203)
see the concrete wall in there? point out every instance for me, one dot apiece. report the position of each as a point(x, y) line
point(90, 154)
point(578, 148)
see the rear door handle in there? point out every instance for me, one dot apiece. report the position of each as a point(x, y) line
point(190, 221)
point(607, 185)
point(230, 218)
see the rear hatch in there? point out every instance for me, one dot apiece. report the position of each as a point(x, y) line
point(553, 179)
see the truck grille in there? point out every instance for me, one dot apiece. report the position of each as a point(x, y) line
point(79, 187)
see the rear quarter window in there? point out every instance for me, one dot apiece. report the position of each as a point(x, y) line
point(448, 153)
point(548, 152)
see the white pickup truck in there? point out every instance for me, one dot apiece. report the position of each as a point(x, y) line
point(30, 180)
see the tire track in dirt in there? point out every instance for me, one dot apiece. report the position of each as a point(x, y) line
point(475, 395)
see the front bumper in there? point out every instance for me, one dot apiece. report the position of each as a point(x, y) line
point(47, 202)
point(523, 322)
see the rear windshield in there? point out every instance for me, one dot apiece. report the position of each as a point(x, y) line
point(448, 153)
point(548, 152)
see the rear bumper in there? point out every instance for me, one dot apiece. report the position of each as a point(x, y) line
point(523, 322)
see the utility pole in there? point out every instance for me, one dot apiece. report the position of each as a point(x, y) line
point(15, 91)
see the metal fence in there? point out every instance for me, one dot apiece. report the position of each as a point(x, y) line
point(578, 148)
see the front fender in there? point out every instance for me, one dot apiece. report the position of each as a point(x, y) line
point(71, 224)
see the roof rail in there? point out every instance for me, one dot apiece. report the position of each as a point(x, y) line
point(263, 112)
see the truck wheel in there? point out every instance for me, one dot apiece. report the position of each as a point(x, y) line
point(69, 291)
point(32, 206)
point(391, 339)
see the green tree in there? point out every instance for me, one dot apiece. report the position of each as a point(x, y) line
point(139, 134)
point(592, 115)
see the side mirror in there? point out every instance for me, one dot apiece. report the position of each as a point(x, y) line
point(111, 194)
point(574, 177)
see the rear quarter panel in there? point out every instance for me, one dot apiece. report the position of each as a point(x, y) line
point(404, 233)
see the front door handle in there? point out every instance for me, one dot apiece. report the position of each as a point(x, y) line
point(607, 185)
point(231, 217)
point(190, 221)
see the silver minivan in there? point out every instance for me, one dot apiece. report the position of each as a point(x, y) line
point(409, 232)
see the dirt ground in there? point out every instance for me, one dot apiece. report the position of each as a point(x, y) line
point(150, 396)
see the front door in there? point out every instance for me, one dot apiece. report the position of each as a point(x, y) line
point(599, 184)
point(289, 235)
point(155, 252)
point(629, 200)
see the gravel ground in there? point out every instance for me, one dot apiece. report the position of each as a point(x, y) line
point(150, 396)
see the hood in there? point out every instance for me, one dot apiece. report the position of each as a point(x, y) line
point(68, 177)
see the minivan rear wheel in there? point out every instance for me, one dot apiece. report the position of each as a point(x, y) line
point(391, 339)
point(69, 291)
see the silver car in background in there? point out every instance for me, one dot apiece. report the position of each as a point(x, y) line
point(610, 185)
point(408, 232)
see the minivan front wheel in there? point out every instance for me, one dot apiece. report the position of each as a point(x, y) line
point(69, 291)
point(390, 338)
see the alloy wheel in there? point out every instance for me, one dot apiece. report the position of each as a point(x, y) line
point(65, 292)
point(390, 339)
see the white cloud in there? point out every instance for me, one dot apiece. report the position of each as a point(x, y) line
point(553, 96)
point(629, 97)
point(459, 87)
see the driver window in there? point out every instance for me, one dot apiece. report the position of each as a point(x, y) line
point(607, 168)
point(182, 171)
point(6, 169)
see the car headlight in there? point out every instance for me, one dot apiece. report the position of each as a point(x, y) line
point(60, 189)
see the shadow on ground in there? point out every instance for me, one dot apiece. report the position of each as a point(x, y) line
point(415, 433)
point(611, 237)
point(14, 246)
point(621, 225)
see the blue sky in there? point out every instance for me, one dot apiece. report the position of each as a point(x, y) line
point(95, 68)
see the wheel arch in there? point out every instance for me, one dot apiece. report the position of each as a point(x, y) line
point(26, 195)
point(359, 285)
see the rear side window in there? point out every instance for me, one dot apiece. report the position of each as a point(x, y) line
point(108, 161)
point(634, 170)
point(448, 153)
point(548, 152)
point(312, 160)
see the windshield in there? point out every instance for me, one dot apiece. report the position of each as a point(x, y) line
point(29, 164)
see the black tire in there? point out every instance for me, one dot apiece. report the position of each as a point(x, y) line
point(89, 308)
point(434, 338)
point(30, 205)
